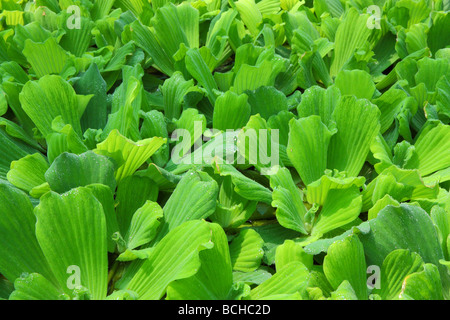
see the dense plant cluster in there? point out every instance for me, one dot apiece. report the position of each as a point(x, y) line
point(214, 149)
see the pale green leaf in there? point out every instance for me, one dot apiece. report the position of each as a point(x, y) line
point(175, 257)
point(246, 251)
point(28, 172)
point(130, 154)
point(81, 249)
point(345, 261)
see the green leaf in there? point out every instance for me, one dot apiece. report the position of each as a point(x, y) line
point(221, 148)
point(16, 131)
point(390, 104)
point(274, 235)
point(345, 291)
point(252, 77)
point(175, 257)
point(425, 285)
point(405, 156)
point(120, 57)
point(397, 266)
point(267, 101)
point(12, 91)
point(122, 295)
point(412, 41)
point(430, 71)
point(126, 104)
point(214, 279)
point(345, 261)
point(50, 4)
point(320, 102)
point(351, 35)
point(341, 207)
point(219, 28)
point(291, 279)
point(20, 251)
point(154, 125)
point(95, 114)
point(256, 277)
point(246, 251)
point(334, 7)
point(253, 144)
point(397, 228)
point(197, 67)
point(249, 14)
point(137, 7)
point(244, 186)
point(280, 122)
point(6, 288)
point(307, 147)
point(71, 140)
point(131, 155)
point(357, 123)
point(443, 98)
point(81, 248)
point(174, 90)
point(182, 20)
point(189, 120)
point(232, 210)
point(35, 287)
point(3, 102)
point(381, 204)
point(231, 111)
point(100, 9)
point(441, 219)
point(132, 193)
point(288, 199)
point(289, 252)
point(400, 184)
point(387, 185)
point(433, 149)
point(77, 40)
point(194, 198)
point(164, 179)
point(131, 255)
point(438, 35)
point(11, 149)
point(145, 38)
point(355, 82)
point(105, 196)
point(46, 57)
point(317, 191)
point(50, 97)
point(28, 172)
point(40, 190)
point(318, 280)
point(70, 171)
point(34, 31)
point(57, 145)
point(144, 225)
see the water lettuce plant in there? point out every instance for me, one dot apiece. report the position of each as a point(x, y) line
point(224, 150)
